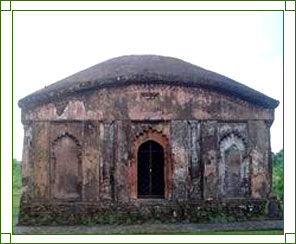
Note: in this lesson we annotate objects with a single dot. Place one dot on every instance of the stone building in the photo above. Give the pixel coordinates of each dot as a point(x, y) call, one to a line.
point(145, 136)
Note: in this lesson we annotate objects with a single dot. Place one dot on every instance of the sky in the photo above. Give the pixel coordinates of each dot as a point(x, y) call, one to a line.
point(245, 46)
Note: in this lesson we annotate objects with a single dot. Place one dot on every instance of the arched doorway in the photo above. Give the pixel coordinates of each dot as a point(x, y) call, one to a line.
point(150, 170)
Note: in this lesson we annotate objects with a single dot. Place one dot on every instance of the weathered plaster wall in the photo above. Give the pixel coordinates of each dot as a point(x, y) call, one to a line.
point(259, 149)
point(122, 151)
point(41, 159)
point(210, 152)
point(180, 154)
point(195, 167)
point(27, 163)
point(91, 160)
point(107, 148)
point(199, 128)
point(148, 103)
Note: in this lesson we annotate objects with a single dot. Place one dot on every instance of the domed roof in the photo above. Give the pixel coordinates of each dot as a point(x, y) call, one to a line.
point(146, 69)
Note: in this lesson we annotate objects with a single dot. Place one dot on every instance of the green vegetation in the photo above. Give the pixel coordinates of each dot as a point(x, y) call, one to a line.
point(17, 186)
point(278, 174)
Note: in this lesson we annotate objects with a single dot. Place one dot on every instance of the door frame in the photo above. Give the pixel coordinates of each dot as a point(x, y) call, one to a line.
point(162, 140)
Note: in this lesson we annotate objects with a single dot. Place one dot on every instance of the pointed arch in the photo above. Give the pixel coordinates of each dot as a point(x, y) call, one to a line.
point(161, 139)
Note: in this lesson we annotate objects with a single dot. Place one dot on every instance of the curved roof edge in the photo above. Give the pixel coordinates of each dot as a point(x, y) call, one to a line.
point(146, 69)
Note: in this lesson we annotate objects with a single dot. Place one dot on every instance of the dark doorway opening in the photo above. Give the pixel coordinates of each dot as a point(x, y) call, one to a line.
point(150, 170)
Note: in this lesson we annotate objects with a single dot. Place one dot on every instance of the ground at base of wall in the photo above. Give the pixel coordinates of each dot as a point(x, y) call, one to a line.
point(170, 212)
point(248, 227)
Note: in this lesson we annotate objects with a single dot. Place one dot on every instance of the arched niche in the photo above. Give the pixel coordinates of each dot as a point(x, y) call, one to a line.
point(234, 167)
point(66, 168)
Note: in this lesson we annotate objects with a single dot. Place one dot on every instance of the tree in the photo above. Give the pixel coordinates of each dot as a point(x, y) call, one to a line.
point(278, 174)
